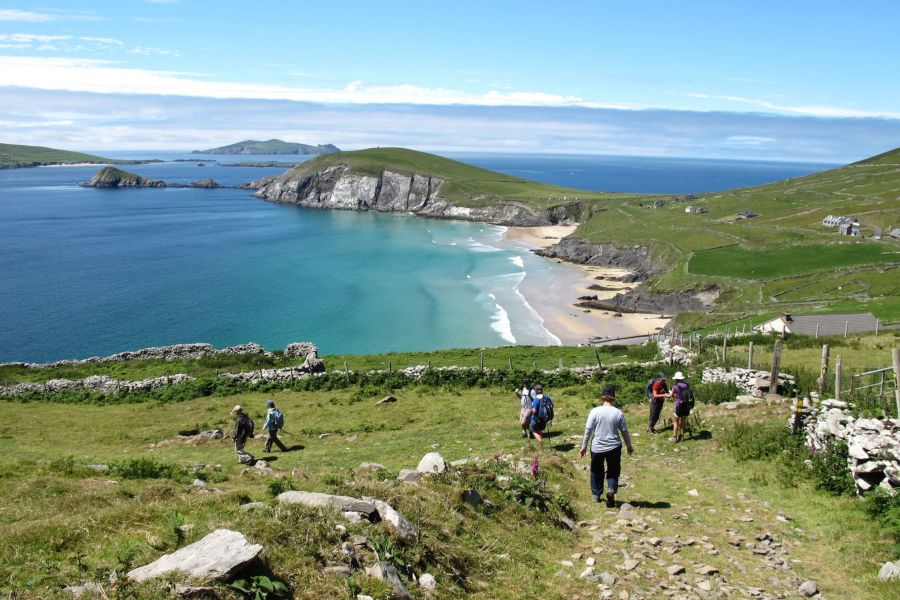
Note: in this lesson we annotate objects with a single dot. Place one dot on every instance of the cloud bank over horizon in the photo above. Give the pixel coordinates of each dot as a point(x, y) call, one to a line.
point(94, 121)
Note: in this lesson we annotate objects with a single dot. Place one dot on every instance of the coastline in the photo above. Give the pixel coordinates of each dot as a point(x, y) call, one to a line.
point(554, 296)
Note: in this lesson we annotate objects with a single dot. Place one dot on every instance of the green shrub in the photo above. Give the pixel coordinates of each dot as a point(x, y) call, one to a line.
point(279, 485)
point(884, 508)
point(148, 468)
point(715, 392)
point(830, 472)
point(759, 441)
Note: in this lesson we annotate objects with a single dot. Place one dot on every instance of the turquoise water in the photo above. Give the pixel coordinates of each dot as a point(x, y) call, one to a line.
point(91, 272)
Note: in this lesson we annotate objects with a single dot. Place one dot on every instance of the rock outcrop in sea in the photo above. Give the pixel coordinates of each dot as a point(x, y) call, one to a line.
point(111, 177)
point(338, 187)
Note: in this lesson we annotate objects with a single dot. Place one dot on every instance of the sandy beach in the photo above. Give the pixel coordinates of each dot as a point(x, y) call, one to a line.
point(554, 297)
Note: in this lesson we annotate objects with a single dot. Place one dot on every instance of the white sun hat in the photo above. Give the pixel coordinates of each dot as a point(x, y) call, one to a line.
point(678, 375)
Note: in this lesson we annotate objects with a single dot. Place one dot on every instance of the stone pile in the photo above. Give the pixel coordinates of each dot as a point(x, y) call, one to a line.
point(873, 444)
point(673, 354)
point(750, 381)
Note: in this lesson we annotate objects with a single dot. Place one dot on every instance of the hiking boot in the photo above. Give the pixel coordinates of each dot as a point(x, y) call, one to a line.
point(610, 500)
point(595, 498)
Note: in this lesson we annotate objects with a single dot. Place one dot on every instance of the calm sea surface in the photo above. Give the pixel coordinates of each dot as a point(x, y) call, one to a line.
point(92, 272)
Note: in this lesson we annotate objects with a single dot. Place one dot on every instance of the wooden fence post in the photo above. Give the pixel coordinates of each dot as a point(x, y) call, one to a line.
point(750, 356)
point(725, 350)
point(776, 367)
point(597, 354)
point(895, 355)
point(482, 360)
point(837, 377)
point(560, 364)
point(822, 381)
point(877, 323)
point(846, 326)
point(509, 360)
point(817, 331)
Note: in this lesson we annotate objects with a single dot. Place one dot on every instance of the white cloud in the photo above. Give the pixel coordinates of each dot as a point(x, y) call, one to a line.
point(25, 16)
point(102, 40)
point(150, 51)
point(27, 38)
point(807, 110)
point(32, 16)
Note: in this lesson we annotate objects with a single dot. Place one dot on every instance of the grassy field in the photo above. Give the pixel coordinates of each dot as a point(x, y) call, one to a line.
point(63, 523)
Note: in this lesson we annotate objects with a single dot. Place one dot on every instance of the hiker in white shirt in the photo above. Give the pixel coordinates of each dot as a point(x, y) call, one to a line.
point(605, 423)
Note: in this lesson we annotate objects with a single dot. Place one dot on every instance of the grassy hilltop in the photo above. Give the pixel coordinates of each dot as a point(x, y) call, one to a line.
point(699, 503)
point(13, 156)
point(464, 185)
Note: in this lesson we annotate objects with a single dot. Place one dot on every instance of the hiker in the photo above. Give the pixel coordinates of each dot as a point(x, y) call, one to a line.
point(243, 430)
point(541, 412)
point(684, 401)
point(274, 422)
point(657, 392)
point(526, 397)
point(605, 423)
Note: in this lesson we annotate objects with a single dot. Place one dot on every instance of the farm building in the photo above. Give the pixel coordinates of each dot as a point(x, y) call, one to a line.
point(851, 228)
point(824, 325)
point(834, 221)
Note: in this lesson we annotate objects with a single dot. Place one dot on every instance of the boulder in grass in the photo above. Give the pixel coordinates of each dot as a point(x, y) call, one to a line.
point(319, 500)
point(432, 462)
point(215, 557)
point(386, 512)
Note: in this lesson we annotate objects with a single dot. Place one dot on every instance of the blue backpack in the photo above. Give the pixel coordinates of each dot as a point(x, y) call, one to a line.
point(277, 419)
point(545, 409)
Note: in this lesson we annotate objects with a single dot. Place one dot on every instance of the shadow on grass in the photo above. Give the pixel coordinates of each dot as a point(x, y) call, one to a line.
point(702, 435)
point(564, 447)
point(646, 504)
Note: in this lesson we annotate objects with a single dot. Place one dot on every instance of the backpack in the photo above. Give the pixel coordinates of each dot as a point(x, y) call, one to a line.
point(685, 396)
point(545, 409)
point(250, 427)
point(277, 419)
point(650, 383)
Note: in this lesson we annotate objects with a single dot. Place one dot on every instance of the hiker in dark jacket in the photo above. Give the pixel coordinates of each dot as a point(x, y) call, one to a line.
point(274, 422)
point(681, 393)
point(659, 391)
point(243, 429)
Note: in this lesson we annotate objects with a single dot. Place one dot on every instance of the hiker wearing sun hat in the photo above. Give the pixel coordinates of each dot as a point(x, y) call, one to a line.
point(684, 401)
point(243, 430)
point(605, 424)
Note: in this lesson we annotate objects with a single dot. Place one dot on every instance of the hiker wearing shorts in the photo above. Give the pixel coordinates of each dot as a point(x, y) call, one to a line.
point(659, 391)
point(605, 424)
point(681, 392)
point(525, 395)
point(537, 424)
point(274, 419)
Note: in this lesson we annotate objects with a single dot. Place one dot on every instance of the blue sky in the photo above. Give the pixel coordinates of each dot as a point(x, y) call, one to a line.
point(797, 80)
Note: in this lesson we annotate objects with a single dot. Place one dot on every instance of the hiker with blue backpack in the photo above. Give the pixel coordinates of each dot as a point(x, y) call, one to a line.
point(605, 424)
point(274, 422)
point(684, 402)
point(541, 412)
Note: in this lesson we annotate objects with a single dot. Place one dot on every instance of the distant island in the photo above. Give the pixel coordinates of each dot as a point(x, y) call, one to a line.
point(14, 156)
point(271, 147)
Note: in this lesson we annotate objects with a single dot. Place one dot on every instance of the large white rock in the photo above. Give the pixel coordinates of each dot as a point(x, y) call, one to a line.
point(889, 571)
point(216, 556)
point(404, 529)
point(319, 500)
point(432, 462)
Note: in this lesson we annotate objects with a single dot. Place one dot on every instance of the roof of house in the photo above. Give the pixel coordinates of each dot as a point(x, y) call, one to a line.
point(830, 324)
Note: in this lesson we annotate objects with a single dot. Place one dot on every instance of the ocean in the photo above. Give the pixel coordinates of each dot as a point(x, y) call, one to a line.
point(92, 272)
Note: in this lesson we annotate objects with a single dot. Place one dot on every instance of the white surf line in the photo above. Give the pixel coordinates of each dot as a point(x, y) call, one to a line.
point(500, 322)
point(554, 340)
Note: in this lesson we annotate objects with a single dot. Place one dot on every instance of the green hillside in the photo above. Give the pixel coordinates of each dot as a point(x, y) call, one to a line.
point(270, 147)
point(465, 185)
point(14, 156)
point(783, 258)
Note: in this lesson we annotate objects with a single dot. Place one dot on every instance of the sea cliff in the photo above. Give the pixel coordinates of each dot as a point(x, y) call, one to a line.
point(338, 187)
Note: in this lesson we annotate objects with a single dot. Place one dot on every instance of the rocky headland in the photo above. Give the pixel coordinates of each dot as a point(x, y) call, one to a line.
point(338, 187)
